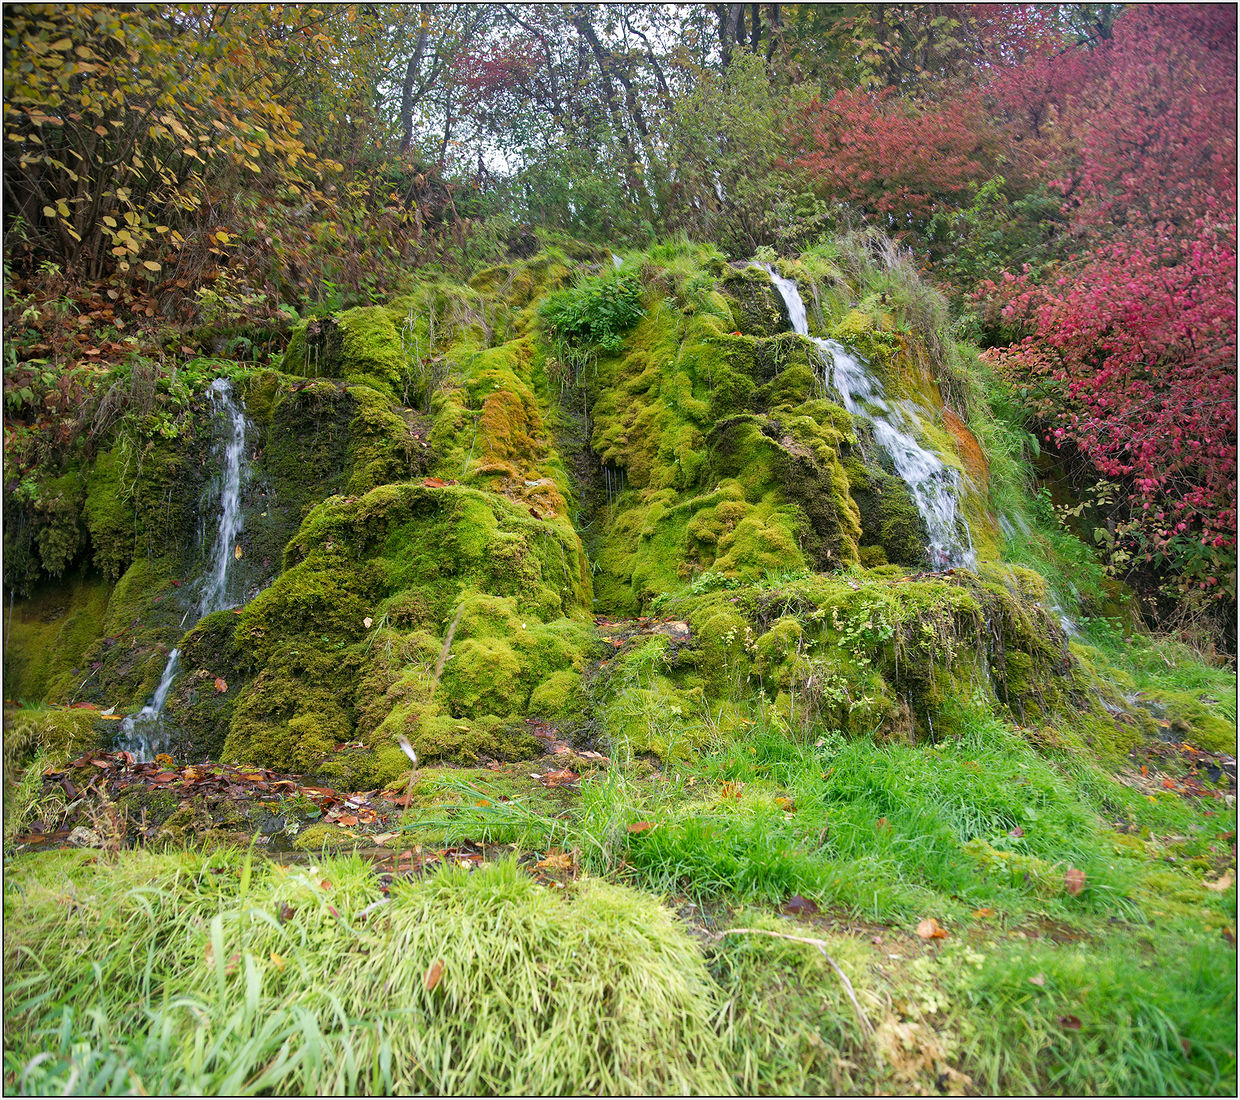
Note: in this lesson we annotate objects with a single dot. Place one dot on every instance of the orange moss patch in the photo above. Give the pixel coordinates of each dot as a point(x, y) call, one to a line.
point(968, 448)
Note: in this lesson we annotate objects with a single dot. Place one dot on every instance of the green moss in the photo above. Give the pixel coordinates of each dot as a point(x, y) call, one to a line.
point(201, 822)
point(140, 627)
point(559, 698)
point(862, 332)
point(358, 345)
point(757, 308)
point(293, 713)
point(324, 837)
point(62, 733)
point(109, 511)
point(1191, 720)
point(196, 707)
point(47, 637)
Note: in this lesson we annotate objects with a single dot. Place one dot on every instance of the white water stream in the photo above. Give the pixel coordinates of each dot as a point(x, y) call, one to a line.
point(143, 733)
point(935, 486)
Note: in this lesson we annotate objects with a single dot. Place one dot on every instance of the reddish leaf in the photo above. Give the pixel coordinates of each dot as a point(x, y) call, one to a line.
point(433, 974)
point(798, 904)
point(641, 826)
point(930, 929)
point(560, 778)
point(1072, 1023)
point(220, 685)
point(1074, 881)
point(347, 820)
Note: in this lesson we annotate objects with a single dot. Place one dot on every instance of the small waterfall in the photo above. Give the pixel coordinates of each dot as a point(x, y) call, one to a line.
point(142, 733)
point(617, 260)
point(935, 486)
point(215, 583)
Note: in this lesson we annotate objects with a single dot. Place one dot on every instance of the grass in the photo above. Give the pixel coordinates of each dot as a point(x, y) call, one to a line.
point(195, 973)
point(190, 973)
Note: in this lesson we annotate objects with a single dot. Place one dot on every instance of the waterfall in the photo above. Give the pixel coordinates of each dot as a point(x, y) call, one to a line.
point(143, 733)
point(936, 487)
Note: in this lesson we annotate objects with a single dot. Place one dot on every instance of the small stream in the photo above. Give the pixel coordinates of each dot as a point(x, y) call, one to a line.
point(143, 733)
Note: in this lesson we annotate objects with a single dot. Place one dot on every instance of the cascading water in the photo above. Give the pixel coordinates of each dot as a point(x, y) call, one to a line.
point(935, 486)
point(143, 733)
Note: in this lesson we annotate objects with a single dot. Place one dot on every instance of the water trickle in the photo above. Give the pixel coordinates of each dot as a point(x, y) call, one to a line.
point(617, 260)
point(935, 486)
point(143, 733)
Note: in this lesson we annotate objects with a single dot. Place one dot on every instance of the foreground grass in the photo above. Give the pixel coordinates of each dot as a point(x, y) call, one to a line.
point(193, 973)
point(218, 973)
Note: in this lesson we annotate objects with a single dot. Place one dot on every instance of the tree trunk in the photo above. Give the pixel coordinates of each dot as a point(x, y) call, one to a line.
point(407, 99)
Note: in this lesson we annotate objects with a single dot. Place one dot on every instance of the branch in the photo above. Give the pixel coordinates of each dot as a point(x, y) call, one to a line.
point(822, 946)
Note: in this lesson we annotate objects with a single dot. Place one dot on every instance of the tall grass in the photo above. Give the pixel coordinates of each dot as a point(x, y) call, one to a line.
point(227, 977)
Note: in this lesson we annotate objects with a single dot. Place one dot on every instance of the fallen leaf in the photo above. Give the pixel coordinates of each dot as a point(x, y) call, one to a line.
point(277, 961)
point(560, 778)
point(1072, 1023)
point(1038, 979)
point(1074, 881)
point(286, 913)
point(1018, 831)
point(1225, 882)
point(220, 685)
point(326, 884)
point(237, 552)
point(367, 621)
point(985, 912)
point(433, 974)
point(641, 826)
point(1229, 936)
point(731, 788)
point(798, 904)
point(434, 483)
point(881, 824)
point(557, 861)
point(381, 839)
point(346, 820)
point(930, 929)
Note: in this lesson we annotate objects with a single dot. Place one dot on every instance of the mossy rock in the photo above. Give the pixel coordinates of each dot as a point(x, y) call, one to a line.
point(322, 837)
point(358, 345)
point(61, 734)
point(47, 637)
point(757, 308)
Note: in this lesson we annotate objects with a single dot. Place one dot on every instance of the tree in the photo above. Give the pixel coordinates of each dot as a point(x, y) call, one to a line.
point(1128, 357)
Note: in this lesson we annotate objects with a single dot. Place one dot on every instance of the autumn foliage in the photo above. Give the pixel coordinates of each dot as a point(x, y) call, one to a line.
point(1128, 356)
point(893, 158)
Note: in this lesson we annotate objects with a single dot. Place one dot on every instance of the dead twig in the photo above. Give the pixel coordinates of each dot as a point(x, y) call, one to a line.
point(822, 946)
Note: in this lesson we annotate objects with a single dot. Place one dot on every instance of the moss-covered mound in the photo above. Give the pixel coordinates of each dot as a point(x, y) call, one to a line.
point(440, 491)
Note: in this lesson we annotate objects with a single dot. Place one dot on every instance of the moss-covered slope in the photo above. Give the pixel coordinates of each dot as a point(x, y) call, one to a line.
point(441, 492)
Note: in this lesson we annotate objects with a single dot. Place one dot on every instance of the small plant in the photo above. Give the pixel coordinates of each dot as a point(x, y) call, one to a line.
point(595, 312)
point(26, 801)
point(713, 582)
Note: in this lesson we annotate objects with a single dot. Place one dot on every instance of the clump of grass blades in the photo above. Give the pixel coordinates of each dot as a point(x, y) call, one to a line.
point(1159, 1021)
point(232, 978)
